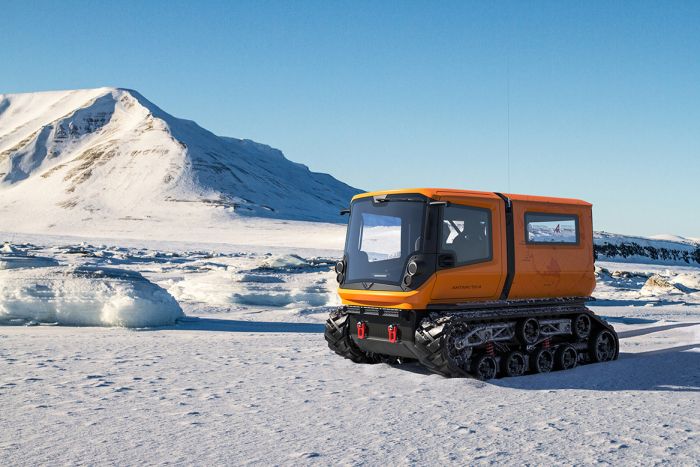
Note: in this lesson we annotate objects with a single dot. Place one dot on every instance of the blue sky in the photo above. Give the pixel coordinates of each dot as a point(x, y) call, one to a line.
point(603, 98)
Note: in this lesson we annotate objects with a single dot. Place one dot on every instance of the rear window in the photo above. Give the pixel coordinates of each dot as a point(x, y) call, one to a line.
point(561, 229)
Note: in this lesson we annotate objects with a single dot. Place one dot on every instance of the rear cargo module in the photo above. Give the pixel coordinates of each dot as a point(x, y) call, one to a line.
point(469, 283)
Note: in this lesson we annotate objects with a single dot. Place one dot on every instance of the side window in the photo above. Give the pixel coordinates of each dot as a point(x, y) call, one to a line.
point(544, 228)
point(466, 232)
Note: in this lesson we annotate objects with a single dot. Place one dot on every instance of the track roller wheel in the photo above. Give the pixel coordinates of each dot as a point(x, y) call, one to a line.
point(542, 361)
point(514, 364)
point(485, 367)
point(566, 357)
point(603, 346)
point(528, 331)
point(582, 326)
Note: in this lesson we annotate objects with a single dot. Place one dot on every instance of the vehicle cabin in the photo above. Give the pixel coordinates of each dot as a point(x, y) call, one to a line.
point(419, 247)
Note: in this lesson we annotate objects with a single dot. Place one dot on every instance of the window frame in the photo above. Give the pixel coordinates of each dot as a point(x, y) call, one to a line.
point(489, 219)
point(554, 216)
point(353, 245)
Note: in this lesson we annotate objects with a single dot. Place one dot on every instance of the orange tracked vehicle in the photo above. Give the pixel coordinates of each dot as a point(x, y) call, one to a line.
point(469, 283)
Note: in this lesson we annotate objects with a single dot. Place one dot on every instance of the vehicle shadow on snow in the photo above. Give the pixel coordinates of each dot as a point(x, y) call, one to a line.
point(670, 369)
point(653, 329)
point(626, 320)
point(231, 325)
point(675, 369)
point(636, 303)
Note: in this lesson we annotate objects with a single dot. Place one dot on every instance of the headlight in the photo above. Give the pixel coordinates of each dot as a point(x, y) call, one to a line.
point(413, 268)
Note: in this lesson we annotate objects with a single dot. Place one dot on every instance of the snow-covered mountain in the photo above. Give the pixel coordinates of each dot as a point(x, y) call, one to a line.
point(102, 155)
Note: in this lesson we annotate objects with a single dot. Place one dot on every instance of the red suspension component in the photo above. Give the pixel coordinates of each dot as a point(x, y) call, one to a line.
point(361, 330)
point(546, 343)
point(393, 331)
point(489, 348)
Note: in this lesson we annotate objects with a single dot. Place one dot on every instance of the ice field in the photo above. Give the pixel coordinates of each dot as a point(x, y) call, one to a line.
point(214, 354)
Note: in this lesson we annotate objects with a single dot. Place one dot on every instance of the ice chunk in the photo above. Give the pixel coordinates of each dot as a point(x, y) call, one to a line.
point(84, 296)
point(658, 284)
point(283, 262)
point(264, 299)
point(26, 262)
point(691, 281)
point(282, 298)
point(263, 279)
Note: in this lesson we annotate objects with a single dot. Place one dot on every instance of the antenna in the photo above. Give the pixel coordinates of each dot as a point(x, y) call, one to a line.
point(508, 120)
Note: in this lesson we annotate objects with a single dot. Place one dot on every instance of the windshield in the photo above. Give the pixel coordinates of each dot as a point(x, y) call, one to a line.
point(381, 237)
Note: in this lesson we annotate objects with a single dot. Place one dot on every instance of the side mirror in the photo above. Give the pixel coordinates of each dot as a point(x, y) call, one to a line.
point(344, 211)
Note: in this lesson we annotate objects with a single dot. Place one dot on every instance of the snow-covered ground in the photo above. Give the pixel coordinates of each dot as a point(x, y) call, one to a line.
point(246, 377)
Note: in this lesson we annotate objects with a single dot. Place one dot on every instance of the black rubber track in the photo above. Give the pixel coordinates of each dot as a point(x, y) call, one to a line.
point(337, 335)
point(432, 333)
point(432, 336)
point(430, 349)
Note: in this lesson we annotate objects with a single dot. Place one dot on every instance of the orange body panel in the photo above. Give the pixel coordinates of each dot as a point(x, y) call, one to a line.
point(541, 271)
point(552, 270)
point(417, 299)
point(481, 281)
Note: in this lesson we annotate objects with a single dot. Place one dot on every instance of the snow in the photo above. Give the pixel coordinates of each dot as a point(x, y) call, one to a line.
point(245, 377)
point(674, 238)
point(658, 241)
point(16, 262)
point(659, 285)
point(228, 394)
point(242, 232)
point(84, 296)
